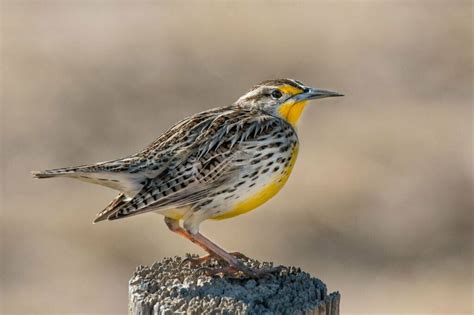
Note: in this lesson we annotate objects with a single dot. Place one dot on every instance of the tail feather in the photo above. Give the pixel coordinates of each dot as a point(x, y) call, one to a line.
point(121, 181)
point(112, 207)
point(113, 174)
point(74, 171)
point(68, 171)
point(113, 166)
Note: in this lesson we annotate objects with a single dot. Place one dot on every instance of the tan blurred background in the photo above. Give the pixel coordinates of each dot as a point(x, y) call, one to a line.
point(379, 205)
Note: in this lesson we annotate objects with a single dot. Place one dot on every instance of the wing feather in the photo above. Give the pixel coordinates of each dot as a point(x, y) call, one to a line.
point(149, 198)
point(204, 158)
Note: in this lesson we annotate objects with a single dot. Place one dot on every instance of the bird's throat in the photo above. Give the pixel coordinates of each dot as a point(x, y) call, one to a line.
point(291, 112)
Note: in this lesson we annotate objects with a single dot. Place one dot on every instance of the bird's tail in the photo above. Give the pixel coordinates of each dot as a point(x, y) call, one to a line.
point(64, 172)
point(100, 173)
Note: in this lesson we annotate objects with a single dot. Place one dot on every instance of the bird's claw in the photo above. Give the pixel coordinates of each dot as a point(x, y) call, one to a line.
point(240, 256)
point(194, 262)
point(241, 272)
point(212, 265)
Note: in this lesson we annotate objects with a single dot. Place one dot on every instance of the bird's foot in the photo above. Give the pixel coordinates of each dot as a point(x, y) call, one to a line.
point(194, 262)
point(241, 271)
point(240, 256)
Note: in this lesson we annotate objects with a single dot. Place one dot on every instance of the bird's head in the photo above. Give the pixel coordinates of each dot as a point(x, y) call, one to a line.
point(284, 98)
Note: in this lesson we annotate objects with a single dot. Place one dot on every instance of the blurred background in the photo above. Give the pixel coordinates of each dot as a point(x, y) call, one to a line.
point(379, 205)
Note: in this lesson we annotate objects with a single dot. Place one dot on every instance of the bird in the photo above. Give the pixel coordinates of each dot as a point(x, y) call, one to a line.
point(214, 165)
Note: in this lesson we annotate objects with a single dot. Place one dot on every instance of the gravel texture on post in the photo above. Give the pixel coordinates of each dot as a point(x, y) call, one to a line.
point(173, 287)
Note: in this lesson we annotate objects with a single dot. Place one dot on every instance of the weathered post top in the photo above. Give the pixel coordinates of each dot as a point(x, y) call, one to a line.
point(169, 287)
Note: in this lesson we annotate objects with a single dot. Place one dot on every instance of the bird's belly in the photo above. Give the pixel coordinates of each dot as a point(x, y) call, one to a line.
point(253, 198)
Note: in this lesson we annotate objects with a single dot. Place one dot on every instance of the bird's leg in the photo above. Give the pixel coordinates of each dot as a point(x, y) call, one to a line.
point(214, 250)
point(173, 225)
point(209, 247)
point(234, 265)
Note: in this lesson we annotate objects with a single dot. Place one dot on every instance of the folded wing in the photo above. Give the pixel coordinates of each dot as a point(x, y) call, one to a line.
point(209, 160)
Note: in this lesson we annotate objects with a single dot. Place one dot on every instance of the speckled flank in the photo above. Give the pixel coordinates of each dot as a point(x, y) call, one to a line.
point(271, 173)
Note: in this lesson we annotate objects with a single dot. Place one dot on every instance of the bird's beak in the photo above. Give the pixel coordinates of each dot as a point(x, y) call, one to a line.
point(312, 93)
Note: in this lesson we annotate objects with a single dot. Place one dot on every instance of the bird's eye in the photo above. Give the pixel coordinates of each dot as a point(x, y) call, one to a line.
point(276, 94)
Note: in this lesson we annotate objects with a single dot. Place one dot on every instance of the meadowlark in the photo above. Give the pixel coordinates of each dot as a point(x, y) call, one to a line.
point(216, 164)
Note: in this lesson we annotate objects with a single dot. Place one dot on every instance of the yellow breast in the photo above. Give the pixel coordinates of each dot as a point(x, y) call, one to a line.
point(263, 195)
